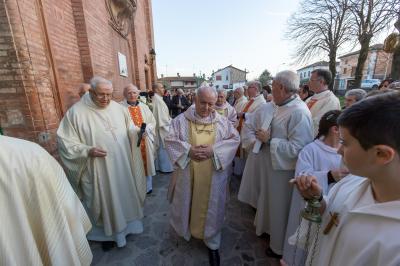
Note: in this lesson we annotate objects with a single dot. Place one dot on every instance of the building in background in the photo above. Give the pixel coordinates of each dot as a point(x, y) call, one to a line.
point(178, 82)
point(377, 66)
point(305, 72)
point(49, 47)
point(228, 77)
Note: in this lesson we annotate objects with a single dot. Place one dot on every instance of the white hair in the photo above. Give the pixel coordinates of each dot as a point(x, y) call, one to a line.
point(256, 83)
point(180, 91)
point(359, 94)
point(240, 90)
point(206, 88)
point(130, 85)
point(221, 90)
point(96, 80)
point(288, 79)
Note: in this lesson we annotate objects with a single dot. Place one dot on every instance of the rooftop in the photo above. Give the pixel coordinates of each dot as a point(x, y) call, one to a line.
point(378, 46)
point(230, 66)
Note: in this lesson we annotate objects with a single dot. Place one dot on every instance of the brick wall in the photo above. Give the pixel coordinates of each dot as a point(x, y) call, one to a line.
point(48, 47)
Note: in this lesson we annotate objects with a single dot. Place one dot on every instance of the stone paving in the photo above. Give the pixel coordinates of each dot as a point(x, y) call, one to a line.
point(160, 245)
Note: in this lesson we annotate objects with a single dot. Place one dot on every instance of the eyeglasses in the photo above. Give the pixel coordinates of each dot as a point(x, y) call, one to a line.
point(102, 95)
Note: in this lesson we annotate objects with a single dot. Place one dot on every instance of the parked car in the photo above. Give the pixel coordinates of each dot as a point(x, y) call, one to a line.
point(370, 83)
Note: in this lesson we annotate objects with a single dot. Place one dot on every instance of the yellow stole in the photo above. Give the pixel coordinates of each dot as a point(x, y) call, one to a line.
point(221, 112)
point(201, 176)
point(137, 119)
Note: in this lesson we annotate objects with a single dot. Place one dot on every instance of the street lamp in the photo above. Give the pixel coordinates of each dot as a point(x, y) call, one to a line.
point(152, 53)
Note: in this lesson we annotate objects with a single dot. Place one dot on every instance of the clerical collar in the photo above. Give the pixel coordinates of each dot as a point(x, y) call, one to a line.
point(133, 103)
point(322, 91)
point(288, 100)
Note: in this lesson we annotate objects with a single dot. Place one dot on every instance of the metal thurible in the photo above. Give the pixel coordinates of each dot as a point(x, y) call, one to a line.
point(312, 211)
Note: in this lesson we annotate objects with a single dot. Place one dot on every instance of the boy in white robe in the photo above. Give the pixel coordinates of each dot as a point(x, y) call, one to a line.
point(365, 231)
point(319, 158)
point(42, 220)
point(95, 138)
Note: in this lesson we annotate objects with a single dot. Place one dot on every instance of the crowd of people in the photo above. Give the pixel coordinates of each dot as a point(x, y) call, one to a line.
point(291, 145)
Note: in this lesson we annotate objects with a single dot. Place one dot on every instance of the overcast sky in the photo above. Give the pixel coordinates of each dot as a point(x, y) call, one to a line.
point(202, 36)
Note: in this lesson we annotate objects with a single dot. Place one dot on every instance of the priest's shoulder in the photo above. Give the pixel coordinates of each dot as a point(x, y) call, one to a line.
point(21, 148)
point(221, 119)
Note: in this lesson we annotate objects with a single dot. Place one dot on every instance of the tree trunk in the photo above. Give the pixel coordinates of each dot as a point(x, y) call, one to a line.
point(395, 74)
point(332, 67)
point(362, 57)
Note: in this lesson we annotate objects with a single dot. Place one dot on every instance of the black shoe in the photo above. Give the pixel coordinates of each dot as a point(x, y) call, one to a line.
point(149, 192)
point(213, 256)
point(107, 245)
point(272, 254)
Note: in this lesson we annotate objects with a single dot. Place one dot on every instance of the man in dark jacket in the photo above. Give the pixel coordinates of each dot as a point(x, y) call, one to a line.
point(179, 103)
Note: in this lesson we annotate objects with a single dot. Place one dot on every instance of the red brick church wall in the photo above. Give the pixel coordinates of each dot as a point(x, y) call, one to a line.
point(48, 47)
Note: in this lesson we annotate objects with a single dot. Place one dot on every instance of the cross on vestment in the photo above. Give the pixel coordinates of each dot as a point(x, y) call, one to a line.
point(333, 221)
point(108, 126)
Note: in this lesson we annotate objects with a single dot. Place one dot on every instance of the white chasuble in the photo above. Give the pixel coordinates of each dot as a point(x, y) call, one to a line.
point(240, 104)
point(321, 103)
point(113, 187)
point(228, 111)
point(42, 220)
point(163, 120)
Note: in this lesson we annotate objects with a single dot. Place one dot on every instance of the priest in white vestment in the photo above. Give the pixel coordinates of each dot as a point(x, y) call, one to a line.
point(240, 99)
point(42, 220)
point(202, 145)
point(163, 120)
point(323, 99)
point(95, 143)
point(256, 99)
point(291, 130)
point(255, 169)
point(140, 113)
point(224, 108)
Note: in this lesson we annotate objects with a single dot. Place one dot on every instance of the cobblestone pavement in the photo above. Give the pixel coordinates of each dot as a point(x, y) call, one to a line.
point(160, 245)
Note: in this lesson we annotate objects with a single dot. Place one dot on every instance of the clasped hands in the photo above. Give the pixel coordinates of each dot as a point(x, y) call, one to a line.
point(201, 152)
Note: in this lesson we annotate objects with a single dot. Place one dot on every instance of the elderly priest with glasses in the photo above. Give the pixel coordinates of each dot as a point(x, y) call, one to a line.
point(107, 172)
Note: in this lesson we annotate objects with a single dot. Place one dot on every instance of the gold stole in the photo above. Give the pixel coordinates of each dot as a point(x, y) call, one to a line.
point(137, 119)
point(222, 112)
point(201, 176)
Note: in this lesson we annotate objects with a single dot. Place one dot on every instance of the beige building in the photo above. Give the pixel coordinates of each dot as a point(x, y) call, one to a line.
point(178, 82)
point(377, 66)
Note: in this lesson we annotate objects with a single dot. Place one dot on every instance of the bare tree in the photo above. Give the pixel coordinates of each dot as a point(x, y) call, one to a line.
point(369, 18)
point(320, 27)
point(395, 74)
